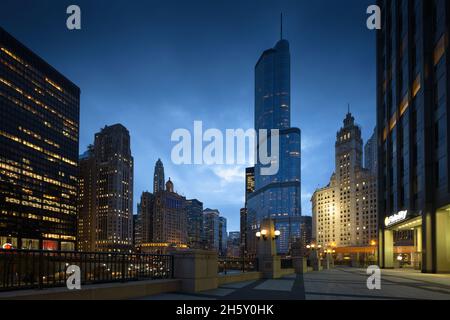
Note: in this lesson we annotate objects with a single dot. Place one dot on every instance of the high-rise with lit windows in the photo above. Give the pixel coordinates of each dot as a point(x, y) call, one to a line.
point(39, 130)
point(413, 121)
point(345, 211)
point(276, 196)
point(108, 209)
point(194, 212)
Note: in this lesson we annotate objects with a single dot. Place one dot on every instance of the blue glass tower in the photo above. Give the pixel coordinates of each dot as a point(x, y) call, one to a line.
point(276, 196)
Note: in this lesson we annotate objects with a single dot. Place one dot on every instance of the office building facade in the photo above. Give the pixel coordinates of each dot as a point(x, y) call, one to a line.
point(39, 138)
point(109, 209)
point(370, 154)
point(345, 211)
point(211, 228)
point(223, 236)
point(194, 211)
point(163, 217)
point(413, 133)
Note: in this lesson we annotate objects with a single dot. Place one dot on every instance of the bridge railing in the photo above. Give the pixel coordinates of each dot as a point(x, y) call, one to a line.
point(37, 269)
point(228, 265)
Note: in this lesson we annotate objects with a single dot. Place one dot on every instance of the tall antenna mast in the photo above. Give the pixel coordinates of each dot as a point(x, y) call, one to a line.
point(281, 26)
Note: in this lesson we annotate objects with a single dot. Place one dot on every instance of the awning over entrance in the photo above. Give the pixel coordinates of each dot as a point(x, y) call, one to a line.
point(407, 224)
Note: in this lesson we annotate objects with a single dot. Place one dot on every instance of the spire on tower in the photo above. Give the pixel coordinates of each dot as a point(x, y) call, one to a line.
point(281, 26)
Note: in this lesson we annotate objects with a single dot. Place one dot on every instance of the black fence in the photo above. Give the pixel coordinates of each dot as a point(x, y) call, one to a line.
point(230, 265)
point(30, 269)
point(286, 263)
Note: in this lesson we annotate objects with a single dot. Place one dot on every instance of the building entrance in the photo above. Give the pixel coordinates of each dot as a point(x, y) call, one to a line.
point(403, 243)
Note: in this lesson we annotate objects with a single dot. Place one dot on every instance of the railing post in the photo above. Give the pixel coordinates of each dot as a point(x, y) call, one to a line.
point(123, 268)
point(41, 270)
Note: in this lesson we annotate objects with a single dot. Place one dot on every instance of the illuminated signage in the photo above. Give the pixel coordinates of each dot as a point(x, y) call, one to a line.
point(7, 246)
point(396, 218)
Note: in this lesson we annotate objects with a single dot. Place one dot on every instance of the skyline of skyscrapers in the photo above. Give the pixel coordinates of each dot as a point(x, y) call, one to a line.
point(163, 216)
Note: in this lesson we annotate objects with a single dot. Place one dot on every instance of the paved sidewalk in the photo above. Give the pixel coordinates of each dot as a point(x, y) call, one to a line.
point(334, 284)
point(351, 284)
point(287, 288)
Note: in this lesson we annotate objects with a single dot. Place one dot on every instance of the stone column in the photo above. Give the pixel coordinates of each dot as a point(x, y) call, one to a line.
point(299, 262)
point(268, 261)
point(315, 261)
point(197, 269)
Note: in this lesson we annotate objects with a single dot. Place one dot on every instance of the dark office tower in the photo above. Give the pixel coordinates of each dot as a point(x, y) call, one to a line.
point(370, 154)
point(145, 218)
point(87, 201)
point(249, 181)
point(306, 230)
point(39, 128)
point(223, 236)
point(413, 116)
point(110, 208)
point(211, 228)
point(194, 210)
point(137, 229)
point(243, 215)
point(158, 177)
point(277, 196)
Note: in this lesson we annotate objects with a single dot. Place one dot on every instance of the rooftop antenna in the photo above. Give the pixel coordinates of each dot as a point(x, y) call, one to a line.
point(281, 26)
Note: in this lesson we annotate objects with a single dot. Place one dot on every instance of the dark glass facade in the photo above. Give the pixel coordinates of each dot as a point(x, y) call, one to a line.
point(276, 196)
point(413, 129)
point(194, 210)
point(39, 133)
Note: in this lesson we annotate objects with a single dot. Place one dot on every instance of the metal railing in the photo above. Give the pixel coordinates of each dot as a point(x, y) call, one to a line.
point(229, 265)
point(36, 269)
point(286, 263)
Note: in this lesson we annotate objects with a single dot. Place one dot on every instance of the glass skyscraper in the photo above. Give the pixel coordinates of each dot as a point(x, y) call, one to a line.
point(276, 196)
point(39, 129)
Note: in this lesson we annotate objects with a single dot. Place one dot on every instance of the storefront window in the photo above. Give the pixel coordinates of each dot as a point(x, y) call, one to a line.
point(8, 241)
point(30, 244)
point(50, 245)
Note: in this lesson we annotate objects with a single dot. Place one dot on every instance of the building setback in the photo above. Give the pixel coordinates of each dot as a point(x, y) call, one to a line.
point(108, 209)
point(413, 116)
point(39, 132)
point(345, 211)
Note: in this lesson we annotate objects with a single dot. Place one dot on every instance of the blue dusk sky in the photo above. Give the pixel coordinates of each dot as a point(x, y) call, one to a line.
point(156, 66)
